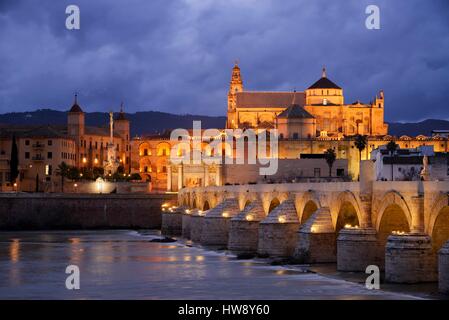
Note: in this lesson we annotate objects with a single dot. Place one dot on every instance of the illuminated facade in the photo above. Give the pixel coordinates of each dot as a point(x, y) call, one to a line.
point(41, 149)
point(323, 101)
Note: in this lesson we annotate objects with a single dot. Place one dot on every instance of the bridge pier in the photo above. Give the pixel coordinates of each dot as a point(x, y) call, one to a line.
point(244, 230)
point(410, 259)
point(196, 225)
point(317, 239)
point(278, 231)
point(186, 216)
point(358, 248)
point(443, 269)
point(172, 221)
point(216, 223)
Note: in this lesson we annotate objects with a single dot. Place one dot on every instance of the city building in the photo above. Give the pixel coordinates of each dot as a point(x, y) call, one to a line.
point(41, 149)
point(411, 164)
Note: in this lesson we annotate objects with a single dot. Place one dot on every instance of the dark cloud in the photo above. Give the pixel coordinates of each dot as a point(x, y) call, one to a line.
point(176, 56)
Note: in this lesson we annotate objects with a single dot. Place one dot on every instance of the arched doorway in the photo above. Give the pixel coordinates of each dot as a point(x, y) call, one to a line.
point(309, 209)
point(347, 215)
point(274, 203)
point(206, 206)
point(194, 203)
point(393, 219)
point(440, 231)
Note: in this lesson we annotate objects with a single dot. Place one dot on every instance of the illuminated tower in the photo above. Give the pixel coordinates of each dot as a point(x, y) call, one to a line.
point(236, 85)
point(121, 128)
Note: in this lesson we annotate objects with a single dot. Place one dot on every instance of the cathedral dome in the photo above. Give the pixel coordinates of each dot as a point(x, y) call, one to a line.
point(295, 112)
point(324, 83)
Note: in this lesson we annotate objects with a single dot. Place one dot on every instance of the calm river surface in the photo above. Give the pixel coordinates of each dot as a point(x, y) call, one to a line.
point(125, 265)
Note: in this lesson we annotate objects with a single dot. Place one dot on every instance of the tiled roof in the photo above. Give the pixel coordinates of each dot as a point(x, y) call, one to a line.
point(251, 99)
point(76, 108)
point(45, 131)
point(324, 83)
point(295, 112)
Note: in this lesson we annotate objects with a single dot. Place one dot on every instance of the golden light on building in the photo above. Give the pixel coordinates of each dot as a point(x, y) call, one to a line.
point(84, 160)
point(350, 226)
point(96, 161)
point(282, 219)
point(249, 217)
point(225, 214)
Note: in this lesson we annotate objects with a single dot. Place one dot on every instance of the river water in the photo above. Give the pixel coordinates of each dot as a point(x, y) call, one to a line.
point(123, 264)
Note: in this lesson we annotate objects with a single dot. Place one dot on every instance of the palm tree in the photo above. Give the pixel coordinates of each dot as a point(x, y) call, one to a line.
point(63, 171)
point(14, 162)
point(330, 157)
point(360, 143)
point(392, 147)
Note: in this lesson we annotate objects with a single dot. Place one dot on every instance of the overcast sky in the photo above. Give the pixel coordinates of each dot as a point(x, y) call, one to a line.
point(176, 56)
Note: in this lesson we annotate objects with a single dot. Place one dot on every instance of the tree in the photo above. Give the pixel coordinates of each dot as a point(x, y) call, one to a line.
point(135, 176)
point(14, 162)
point(74, 173)
point(360, 143)
point(392, 147)
point(97, 172)
point(330, 157)
point(63, 171)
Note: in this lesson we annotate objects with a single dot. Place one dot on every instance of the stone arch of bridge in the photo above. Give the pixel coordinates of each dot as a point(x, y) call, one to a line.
point(392, 199)
point(393, 215)
point(347, 211)
point(307, 205)
point(206, 205)
point(273, 204)
point(438, 227)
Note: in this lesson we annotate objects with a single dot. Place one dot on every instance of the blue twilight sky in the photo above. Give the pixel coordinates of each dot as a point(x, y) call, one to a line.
point(176, 55)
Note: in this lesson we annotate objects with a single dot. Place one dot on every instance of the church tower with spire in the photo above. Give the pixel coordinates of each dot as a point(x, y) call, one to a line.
point(235, 86)
point(75, 120)
point(121, 128)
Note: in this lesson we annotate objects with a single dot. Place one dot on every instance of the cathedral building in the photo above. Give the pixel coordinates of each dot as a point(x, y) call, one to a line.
point(321, 108)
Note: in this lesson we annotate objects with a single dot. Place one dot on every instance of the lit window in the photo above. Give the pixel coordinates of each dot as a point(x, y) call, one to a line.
point(324, 101)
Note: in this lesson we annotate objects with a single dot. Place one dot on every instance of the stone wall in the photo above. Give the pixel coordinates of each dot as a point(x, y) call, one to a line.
point(443, 269)
point(288, 170)
point(80, 211)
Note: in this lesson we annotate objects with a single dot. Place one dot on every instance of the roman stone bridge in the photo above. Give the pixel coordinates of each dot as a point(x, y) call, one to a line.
point(400, 226)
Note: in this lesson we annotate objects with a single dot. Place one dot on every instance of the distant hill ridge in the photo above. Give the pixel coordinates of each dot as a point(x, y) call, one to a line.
point(150, 122)
point(146, 122)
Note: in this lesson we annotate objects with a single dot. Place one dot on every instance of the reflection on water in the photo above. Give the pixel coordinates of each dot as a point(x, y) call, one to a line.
point(15, 250)
point(126, 265)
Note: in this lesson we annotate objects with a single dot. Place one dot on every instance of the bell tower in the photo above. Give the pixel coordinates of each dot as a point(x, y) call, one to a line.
point(75, 120)
point(235, 86)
